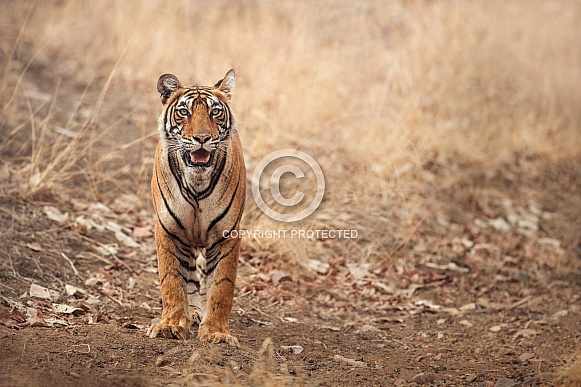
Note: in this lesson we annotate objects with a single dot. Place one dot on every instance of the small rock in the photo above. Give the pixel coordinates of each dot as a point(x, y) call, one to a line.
point(471, 378)
point(466, 323)
point(559, 314)
point(159, 361)
point(504, 382)
point(525, 333)
point(470, 306)
point(296, 349)
point(531, 381)
point(526, 356)
point(424, 378)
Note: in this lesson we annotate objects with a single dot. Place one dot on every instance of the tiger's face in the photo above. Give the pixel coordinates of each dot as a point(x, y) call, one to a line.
point(196, 124)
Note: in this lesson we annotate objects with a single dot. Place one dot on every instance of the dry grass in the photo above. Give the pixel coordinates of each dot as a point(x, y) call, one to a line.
point(372, 90)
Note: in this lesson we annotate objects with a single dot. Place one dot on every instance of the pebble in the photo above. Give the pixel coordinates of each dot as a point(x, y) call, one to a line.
point(424, 378)
point(504, 382)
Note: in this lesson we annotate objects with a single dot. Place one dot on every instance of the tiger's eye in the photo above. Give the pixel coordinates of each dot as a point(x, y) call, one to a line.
point(216, 111)
point(183, 112)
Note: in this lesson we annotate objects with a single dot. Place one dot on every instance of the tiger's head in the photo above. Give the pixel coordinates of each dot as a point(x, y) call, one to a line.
point(196, 123)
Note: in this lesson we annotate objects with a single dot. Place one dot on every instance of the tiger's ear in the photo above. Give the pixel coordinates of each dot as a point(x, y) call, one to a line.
point(167, 85)
point(226, 84)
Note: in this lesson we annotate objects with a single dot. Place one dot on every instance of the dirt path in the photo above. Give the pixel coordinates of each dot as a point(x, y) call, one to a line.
point(484, 303)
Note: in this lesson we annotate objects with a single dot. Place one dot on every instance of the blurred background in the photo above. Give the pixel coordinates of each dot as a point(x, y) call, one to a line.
point(410, 107)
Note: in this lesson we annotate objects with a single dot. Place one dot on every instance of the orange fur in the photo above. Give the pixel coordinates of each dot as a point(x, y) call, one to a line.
point(198, 201)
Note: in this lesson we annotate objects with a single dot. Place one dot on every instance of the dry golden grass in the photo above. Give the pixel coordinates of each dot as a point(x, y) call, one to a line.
point(373, 90)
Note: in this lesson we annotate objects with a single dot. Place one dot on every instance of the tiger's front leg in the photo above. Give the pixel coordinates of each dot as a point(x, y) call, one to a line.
point(215, 325)
point(175, 321)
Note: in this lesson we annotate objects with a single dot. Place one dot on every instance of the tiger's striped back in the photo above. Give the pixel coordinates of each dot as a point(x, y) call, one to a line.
point(198, 190)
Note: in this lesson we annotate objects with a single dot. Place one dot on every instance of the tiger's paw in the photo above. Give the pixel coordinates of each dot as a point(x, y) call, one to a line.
point(218, 337)
point(170, 330)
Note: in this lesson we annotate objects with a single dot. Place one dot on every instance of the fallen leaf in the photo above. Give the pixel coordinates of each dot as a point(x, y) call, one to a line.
point(525, 333)
point(44, 293)
point(72, 290)
point(126, 203)
point(55, 214)
point(126, 239)
point(318, 266)
point(499, 224)
point(359, 271)
point(170, 369)
point(37, 321)
point(67, 309)
point(279, 276)
point(107, 249)
point(92, 281)
point(34, 246)
point(142, 232)
point(56, 321)
point(427, 303)
point(449, 266)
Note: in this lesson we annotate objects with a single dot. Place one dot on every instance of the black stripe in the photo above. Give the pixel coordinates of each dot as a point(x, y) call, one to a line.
point(170, 234)
point(216, 174)
point(225, 279)
point(173, 215)
point(213, 262)
point(183, 262)
point(186, 193)
point(164, 277)
point(222, 239)
point(226, 210)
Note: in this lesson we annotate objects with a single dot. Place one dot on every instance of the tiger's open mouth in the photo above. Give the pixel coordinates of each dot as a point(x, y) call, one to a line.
point(198, 158)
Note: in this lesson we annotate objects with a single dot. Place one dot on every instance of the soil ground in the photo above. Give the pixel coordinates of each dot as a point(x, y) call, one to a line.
point(485, 292)
point(496, 315)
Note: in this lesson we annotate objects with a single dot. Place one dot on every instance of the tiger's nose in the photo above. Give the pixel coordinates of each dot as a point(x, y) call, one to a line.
point(202, 138)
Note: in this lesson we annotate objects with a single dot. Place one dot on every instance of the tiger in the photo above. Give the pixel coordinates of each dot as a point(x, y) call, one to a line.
point(198, 190)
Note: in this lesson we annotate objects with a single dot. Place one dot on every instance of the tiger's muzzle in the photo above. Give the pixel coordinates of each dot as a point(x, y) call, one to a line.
point(198, 158)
